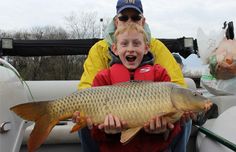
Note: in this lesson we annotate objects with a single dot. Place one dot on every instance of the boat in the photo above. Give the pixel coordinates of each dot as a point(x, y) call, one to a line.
point(216, 135)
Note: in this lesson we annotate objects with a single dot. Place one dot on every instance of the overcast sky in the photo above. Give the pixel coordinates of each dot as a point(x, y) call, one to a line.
point(166, 18)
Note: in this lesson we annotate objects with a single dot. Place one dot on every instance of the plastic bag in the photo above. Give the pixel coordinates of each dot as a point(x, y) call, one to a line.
point(207, 44)
point(216, 51)
point(218, 87)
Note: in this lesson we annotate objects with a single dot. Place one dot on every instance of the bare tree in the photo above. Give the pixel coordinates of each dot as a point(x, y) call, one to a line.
point(4, 34)
point(86, 25)
point(35, 68)
point(73, 25)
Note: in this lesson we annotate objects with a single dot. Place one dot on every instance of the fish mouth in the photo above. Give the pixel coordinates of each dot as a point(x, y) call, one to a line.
point(208, 104)
point(131, 58)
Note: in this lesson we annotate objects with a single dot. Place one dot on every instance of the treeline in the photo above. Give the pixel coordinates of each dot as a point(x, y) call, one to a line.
point(86, 25)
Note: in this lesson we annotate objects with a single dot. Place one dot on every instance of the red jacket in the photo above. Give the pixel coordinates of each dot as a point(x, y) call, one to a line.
point(118, 73)
point(142, 142)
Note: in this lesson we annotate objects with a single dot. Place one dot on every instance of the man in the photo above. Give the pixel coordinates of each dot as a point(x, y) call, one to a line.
point(100, 56)
point(178, 60)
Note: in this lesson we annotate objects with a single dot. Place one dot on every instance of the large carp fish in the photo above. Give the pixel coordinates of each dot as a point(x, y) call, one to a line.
point(134, 102)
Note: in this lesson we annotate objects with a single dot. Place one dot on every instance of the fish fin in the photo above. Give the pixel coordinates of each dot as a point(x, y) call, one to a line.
point(31, 111)
point(128, 134)
point(37, 112)
point(81, 124)
point(42, 128)
point(173, 116)
point(77, 127)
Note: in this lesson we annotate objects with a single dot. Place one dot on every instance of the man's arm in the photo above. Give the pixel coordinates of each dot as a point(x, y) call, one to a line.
point(163, 57)
point(96, 61)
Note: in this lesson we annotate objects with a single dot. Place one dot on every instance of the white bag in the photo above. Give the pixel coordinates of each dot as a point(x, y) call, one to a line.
point(218, 87)
point(208, 43)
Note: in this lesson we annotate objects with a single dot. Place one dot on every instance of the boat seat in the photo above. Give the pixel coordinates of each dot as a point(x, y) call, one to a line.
point(219, 127)
point(60, 134)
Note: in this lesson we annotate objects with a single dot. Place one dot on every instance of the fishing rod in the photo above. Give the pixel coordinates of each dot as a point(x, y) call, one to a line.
point(217, 138)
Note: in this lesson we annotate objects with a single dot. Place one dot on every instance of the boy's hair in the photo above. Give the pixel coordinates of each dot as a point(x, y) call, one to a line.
point(131, 27)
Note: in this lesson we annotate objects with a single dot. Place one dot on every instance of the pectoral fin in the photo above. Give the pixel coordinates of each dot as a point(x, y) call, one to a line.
point(128, 134)
point(77, 127)
point(80, 124)
point(173, 116)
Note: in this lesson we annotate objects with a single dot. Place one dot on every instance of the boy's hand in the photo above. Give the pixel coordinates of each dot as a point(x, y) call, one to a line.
point(112, 124)
point(158, 125)
point(191, 115)
point(187, 116)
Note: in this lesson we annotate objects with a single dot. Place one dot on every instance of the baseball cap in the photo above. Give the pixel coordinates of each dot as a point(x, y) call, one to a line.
point(124, 4)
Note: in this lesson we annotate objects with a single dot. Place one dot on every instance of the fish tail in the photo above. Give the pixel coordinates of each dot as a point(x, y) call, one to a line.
point(42, 128)
point(31, 111)
point(44, 122)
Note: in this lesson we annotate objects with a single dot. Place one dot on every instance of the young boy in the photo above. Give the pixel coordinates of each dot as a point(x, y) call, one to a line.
point(131, 60)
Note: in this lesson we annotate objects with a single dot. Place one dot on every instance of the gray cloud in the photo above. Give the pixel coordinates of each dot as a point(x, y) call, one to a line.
point(167, 19)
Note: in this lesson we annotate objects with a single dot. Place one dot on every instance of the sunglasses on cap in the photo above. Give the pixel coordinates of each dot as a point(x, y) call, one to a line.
point(134, 18)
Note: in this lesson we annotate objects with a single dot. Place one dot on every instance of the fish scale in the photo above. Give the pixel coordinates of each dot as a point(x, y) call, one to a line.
point(130, 105)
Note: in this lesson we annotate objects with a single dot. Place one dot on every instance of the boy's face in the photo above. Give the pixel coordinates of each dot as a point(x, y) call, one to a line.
point(130, 48)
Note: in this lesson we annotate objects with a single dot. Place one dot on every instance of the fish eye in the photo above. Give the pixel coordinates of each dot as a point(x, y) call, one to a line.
point(195, 93)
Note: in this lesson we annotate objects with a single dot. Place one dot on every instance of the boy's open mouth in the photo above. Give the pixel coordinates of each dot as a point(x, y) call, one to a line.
point(130, 58)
